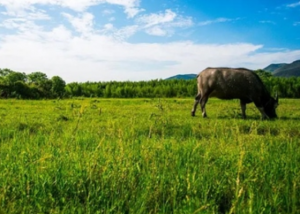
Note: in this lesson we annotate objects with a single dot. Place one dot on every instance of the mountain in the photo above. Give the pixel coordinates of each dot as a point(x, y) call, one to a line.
point(182, 77)
point(289, 70)
point(280, 70)
point(273, 67)
point(284, 69)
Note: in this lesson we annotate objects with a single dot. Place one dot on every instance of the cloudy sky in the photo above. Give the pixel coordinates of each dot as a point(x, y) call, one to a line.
point(104, 40)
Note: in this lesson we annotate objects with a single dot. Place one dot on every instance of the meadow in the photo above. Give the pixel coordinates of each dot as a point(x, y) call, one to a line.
point(147, 156)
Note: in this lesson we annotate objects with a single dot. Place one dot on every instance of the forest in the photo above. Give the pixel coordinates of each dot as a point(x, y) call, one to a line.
point(37, 85)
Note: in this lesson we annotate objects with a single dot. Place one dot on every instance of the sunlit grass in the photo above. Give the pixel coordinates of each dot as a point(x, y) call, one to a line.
point(147, 156)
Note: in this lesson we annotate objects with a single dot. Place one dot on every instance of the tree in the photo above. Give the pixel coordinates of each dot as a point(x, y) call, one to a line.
point(263, 74)
point(58, 86)
point(4, 72)
point(37, 78)
point(107, 92)
point(21, 90)
point(13, 77)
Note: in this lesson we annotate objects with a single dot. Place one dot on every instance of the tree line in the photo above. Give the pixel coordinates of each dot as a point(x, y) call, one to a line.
point(37, 85)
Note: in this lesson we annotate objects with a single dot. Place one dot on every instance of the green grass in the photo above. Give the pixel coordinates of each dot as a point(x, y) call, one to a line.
point(147, 156)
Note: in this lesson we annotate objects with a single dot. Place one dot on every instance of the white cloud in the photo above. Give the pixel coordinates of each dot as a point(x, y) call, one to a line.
point(102, 58)
point(125, 32)
point(132, 11)
point(108, 26)
point(181, 22)
point(161, 24)
point(23, 20)
point(296, 4)
point(102, 52)
point(155, 19)
point(32, 13)
point(218, 20)
point(59, 34)
point(108, 12)
point(26, 12)
point(156, 31)
point(82, 24)
point(131, 7)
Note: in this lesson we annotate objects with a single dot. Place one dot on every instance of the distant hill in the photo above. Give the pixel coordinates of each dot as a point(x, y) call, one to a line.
point(273, 67)
point(289, 70)
point(182, 77)
point(280, 70)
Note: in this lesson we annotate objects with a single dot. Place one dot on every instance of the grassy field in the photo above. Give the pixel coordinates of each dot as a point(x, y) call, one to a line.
point(147, 156)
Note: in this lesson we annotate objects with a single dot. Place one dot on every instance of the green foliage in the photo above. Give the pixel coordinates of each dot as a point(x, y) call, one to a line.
point(263, 74)
point(127, 89)
point(37, 78)
point(5, 72)
point(42, 87)
point(35, 85)
point(147, 156)
point(285, 87)
point(21, 90)
point(13, 77)
point(58, 86)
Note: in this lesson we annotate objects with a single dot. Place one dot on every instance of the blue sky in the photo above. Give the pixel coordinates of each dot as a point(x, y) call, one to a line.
point(104, 40)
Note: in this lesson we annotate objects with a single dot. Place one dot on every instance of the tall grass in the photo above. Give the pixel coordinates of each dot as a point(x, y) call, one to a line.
point(147, 156)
